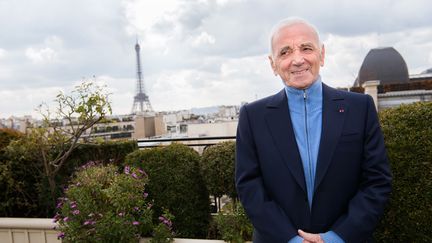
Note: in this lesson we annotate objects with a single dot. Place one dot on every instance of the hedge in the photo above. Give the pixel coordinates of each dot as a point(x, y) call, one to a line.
point(24, 186)
point(408, 137)
point(176, 184)
point(7, 135)
point(217, 163)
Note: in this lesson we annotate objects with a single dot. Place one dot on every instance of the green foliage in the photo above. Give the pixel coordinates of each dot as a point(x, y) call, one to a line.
point(408, 137)
point(176, 184)
point(103, 205)
point(7, 135)
point(22, 181)
point(12, 197)
point(217, 164)
point(163, 231)
point(234, 225)
point(111, 152)
point(62, 128)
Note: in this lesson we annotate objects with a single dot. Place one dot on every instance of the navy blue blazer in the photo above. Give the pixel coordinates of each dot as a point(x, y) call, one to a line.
point(352, 182)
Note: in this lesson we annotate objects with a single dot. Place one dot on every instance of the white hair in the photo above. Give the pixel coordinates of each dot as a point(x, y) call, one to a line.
point(290, 22)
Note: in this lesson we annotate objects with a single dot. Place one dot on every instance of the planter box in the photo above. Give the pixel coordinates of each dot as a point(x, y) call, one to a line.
point(30, 230)
point(182, 240)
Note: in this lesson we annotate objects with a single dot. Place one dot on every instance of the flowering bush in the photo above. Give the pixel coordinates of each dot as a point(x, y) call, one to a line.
point(233, 224)
point(103, 205)
point(163, 231)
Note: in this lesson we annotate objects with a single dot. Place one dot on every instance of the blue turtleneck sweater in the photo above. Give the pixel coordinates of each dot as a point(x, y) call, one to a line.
point(305, 107)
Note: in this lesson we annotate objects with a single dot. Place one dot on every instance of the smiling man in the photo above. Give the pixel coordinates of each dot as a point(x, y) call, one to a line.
point(311, 165)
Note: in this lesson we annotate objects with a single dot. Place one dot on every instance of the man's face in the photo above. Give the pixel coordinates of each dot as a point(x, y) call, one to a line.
point(296, 55)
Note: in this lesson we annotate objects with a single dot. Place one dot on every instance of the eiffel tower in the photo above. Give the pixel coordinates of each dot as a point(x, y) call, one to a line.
point(141, 104)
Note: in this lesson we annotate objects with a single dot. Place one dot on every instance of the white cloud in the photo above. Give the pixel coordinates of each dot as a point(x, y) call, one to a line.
point(49, 53)
point(203, 39)
point(3, 53)
point(41, 56)
point(194, 53)
point(154, 11)
point(225, 2)
point(25, 101)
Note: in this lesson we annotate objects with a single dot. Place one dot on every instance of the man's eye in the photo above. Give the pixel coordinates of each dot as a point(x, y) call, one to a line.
point(285, 52)
point(308, 49)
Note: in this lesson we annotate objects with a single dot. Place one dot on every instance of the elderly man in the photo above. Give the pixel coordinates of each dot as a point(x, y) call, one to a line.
point(311, 165)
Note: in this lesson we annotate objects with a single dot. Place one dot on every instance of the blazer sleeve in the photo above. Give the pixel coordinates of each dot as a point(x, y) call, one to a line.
point(268, 219)
point(367, 205)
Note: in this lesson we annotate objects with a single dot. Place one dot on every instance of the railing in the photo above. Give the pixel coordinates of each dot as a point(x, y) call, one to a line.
point(189, 141)
point(35, 230)
point(27, 230)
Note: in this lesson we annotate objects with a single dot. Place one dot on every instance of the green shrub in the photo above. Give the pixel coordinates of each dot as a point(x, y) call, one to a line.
point(22, 181)
point(110, 152)
point(7, 135)
point(103, 205)
point(163, 231)
point(176, 184)
point(408, 137)
point(217, 163)
point(233, 224)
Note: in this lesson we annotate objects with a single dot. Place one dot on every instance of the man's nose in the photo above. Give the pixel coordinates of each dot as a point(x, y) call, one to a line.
point(298, 58)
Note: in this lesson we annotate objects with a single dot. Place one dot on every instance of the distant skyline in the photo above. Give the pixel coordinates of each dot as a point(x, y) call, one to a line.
point(195, 53)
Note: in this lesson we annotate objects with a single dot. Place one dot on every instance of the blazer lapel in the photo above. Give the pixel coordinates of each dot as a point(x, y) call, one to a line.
point(333, 117)
point(280, 126)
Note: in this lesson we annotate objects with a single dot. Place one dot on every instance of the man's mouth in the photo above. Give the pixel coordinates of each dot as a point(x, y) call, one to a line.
point(300, 72)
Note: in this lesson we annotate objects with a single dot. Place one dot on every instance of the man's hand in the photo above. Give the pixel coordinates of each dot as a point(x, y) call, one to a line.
point(309, 237)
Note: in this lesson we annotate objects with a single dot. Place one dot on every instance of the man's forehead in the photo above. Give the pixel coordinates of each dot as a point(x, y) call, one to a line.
point(298, 32)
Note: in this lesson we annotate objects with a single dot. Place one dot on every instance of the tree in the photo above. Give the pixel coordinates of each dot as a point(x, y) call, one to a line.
point(217, 164)
point(62, 129)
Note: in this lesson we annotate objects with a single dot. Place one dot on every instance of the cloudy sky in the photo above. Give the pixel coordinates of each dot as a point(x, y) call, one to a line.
point(195, 53)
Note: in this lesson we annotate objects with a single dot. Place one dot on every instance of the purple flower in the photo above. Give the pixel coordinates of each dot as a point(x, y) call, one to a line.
point(127, 170)
point(142, 172)
point(66, 219)
point(60, 235)
point(89, 222)
point(135, 223)
point(88, 164)
point(165, 221)
point(59, 204)
point(145, 195)
point(136, 208)
point(73, 204)
point(76, 212)
point(56, 218)
point(135, 176)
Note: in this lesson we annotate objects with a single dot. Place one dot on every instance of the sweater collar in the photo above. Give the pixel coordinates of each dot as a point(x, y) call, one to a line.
point(313, 92)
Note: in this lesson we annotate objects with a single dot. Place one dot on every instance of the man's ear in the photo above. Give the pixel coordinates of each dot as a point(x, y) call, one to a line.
point(322, 55)
point(273, 66)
